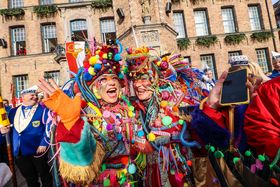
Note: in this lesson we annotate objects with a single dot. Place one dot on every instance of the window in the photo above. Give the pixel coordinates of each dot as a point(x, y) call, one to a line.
point(201, 23)
point(20, 82)
point(209, 60)
point(179, 24)
point(46, 2)
point(53, 75)
point(255, 18)
point(262, 57)
point(18, 41)
point(108, 30)
point(234, 53)
point(49, 38)
point(16, 3)
point(228, 20)
point(187, 59)
point(75, 1)
point(79, 30)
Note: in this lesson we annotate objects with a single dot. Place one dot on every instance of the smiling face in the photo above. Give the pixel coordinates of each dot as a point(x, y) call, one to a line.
point(276, 64)
point(29, 99)
point(142, 86)
point(107, 87)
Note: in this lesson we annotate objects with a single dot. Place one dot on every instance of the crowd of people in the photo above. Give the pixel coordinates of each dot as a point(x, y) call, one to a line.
point(147, 120)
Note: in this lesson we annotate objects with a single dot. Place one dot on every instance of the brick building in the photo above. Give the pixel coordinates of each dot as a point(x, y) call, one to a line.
point(204, 31)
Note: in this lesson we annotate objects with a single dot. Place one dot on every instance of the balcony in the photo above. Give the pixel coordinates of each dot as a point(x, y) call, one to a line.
point(60, 53)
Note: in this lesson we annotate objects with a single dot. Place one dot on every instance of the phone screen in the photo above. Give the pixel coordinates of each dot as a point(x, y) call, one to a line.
point(234, 89)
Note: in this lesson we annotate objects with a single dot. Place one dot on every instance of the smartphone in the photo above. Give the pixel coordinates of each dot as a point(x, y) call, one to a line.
point(235, 91)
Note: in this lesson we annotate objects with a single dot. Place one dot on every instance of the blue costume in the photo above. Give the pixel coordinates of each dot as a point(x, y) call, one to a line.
point(28, 133)
point(33, 135)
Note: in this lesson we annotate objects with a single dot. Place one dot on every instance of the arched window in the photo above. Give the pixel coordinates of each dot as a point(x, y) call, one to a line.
point(79, 30)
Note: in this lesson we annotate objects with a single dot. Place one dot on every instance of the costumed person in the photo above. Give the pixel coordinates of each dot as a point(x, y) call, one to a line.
point(191, 79)
point(95, 141)
point(276, 65)
point(211, 118)
point(262, 119)
point(211, 108)
point(30, 140)
point(160, 102)
point(208, 80)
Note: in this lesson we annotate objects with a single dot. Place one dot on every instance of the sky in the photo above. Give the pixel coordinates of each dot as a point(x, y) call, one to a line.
point(274, 1)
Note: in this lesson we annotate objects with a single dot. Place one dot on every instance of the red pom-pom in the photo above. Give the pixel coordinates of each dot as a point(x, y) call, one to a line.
point(142, 58)
point(86, 65)
point(101, 53)
point(180, 175)
point(274, 181)
point(189, 162)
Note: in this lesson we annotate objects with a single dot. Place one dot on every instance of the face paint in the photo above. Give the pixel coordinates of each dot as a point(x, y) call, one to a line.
point(108, 87)
point(143, 87)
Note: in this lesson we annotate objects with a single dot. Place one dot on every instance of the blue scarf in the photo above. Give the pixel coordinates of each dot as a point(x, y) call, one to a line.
point(274, 74)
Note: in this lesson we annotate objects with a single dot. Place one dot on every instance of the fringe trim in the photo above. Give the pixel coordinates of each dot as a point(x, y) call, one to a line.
point(83, 174)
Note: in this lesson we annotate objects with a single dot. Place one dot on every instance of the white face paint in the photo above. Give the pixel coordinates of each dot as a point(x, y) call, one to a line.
point(108, 87)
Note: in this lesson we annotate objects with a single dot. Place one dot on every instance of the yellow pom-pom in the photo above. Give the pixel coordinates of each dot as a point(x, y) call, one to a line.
point(124, 171)
point(130, 114)
point(91, 71)
point(105, 56)
point(151, 137)
point(158, 63)
point(97, 52)
point(163, 103)
point(93, 60)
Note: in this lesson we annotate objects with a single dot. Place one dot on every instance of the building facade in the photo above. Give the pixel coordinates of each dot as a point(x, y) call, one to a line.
point(33, 33)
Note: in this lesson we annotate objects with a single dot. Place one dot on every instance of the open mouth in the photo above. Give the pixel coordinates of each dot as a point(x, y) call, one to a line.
point(112, 92)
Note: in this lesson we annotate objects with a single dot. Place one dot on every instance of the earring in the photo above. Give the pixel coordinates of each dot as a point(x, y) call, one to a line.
point(120, 94)
point(96, 94)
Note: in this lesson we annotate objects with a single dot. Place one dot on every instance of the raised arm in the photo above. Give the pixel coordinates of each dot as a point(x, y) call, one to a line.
point(67, 109)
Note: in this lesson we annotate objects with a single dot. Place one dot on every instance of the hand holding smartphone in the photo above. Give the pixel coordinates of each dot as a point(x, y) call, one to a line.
point(235, 91)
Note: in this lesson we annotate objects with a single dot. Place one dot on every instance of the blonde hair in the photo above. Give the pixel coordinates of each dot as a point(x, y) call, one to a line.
point(253, 68)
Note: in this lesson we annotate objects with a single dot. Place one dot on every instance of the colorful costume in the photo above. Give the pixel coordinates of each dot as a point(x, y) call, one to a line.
point(162, 117)
point(262, 120)
point(97, 146)
point(212, 126)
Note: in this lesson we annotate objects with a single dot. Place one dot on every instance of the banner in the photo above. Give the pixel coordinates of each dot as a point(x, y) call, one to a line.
point(75, 55)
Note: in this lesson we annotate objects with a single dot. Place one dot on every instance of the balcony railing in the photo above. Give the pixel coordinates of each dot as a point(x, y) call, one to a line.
point(60, 53)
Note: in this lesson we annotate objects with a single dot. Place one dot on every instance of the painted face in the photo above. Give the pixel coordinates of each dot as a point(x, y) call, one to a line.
point(108, 88)
point(29, 99)
point(142, 86)
point(276, 64)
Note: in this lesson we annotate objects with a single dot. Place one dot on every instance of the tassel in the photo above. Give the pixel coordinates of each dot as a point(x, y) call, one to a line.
point(79, 174)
